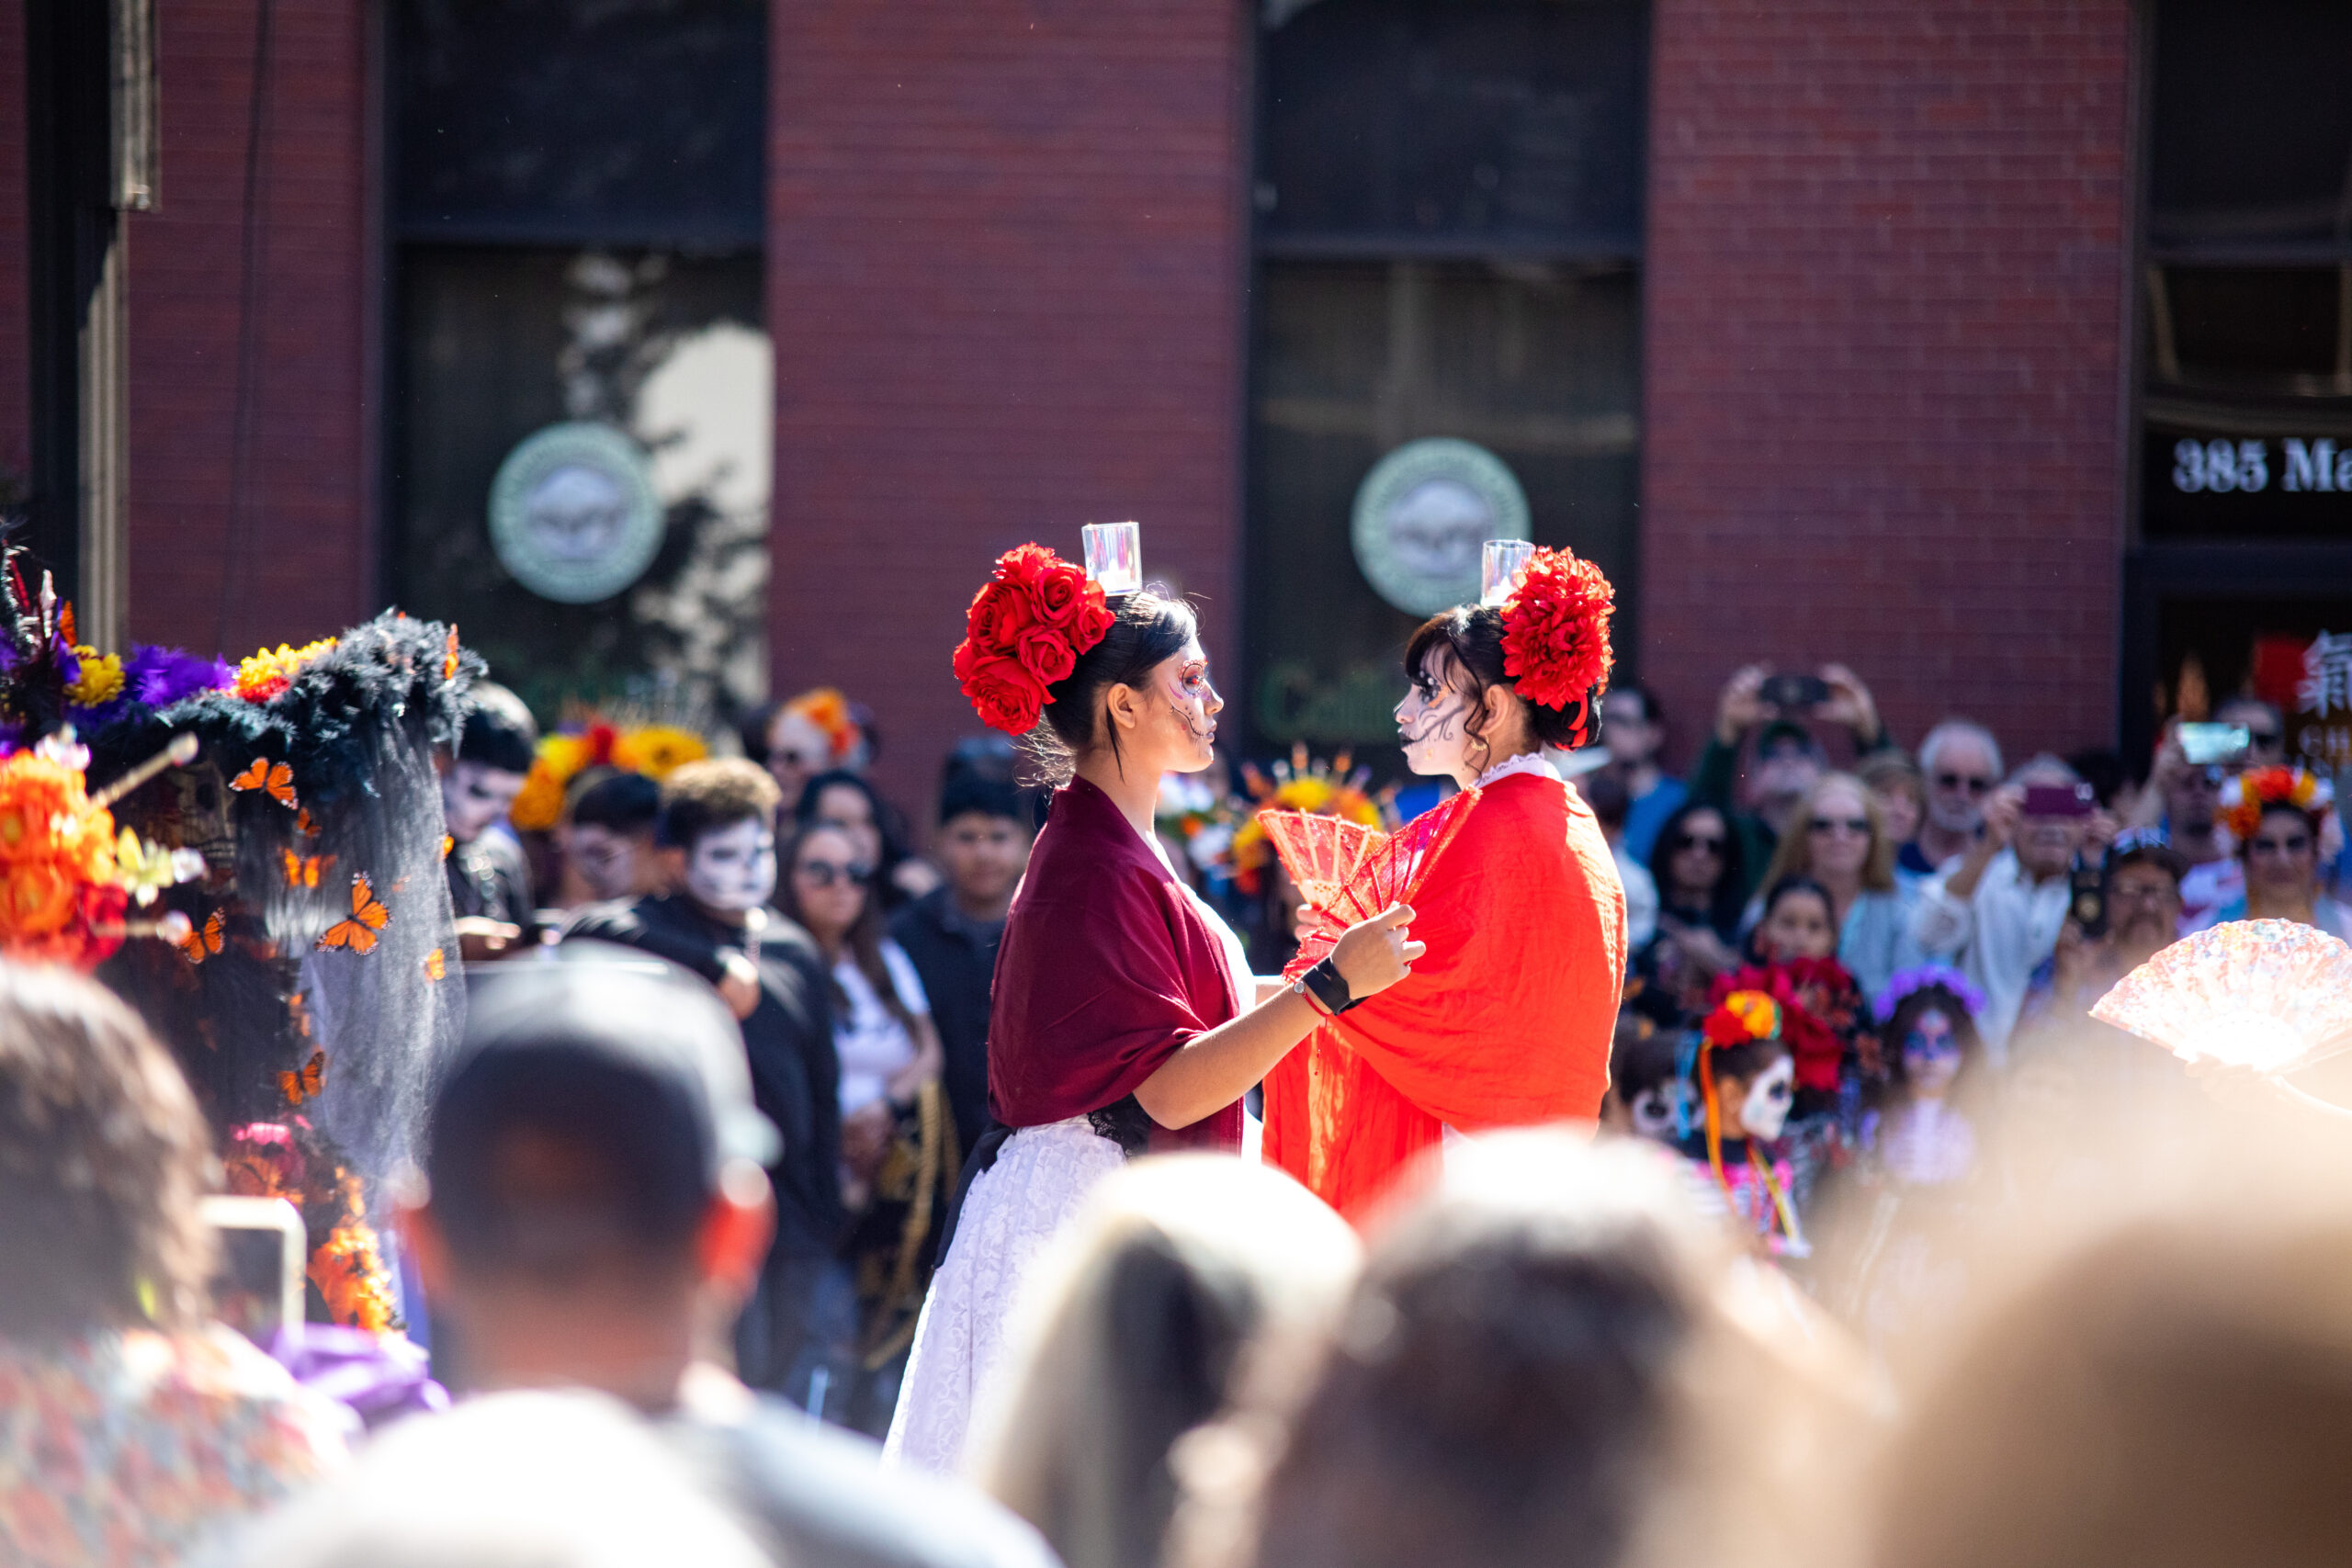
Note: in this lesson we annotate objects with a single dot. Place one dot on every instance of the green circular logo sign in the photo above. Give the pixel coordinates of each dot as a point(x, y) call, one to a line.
point(1422, 516)
point(572, 512)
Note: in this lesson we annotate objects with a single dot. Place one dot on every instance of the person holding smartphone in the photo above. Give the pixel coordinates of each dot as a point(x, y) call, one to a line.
point(1788, 761)
point(1994, 913)
point(2278, 815)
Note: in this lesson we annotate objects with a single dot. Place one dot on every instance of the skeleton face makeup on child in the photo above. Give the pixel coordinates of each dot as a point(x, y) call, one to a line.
point(474, 796)
point(733, 869)
point(1930, 1055)
point(1658, 1110)
point(1766, 1110)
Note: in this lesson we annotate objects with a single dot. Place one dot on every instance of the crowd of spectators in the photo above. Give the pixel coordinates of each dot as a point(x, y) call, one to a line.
point(1544, 1352)
point(715, 1086)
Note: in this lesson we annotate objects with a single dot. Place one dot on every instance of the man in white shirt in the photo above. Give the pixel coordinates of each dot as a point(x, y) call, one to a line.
point(1994, 911)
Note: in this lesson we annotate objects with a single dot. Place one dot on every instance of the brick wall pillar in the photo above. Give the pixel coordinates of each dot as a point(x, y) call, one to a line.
point(1887, 305)
point(1006, 258)
point(299, 499)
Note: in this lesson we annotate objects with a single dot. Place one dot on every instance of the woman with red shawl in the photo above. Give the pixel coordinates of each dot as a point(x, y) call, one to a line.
point(1122, 1015)
point(1508, 1021)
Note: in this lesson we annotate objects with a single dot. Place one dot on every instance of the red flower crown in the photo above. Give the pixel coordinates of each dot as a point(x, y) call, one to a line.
point(1555, 631)
point(1028, 624)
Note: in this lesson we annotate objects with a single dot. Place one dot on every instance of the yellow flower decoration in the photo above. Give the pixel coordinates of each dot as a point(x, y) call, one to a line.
point(657, 749)
point(101, 679)
point(268, 672)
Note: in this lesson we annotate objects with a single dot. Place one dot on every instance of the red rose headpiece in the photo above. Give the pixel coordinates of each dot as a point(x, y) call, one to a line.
point(1798, 986)
point(1555, 633)
point(1028, 624)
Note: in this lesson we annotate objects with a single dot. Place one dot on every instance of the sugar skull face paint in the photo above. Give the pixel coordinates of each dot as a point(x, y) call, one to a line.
point(733, 869)
point(474, 796)
point(1184, 683)
point(1932, 1055)
point(1766, 1110)
point(1433, 722)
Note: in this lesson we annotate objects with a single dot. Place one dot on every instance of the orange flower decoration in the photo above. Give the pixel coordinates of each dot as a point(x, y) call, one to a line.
point(58, 871)
point(2257, 790)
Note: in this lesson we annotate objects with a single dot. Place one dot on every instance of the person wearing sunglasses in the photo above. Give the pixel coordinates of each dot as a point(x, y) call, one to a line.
point(1960, 763)
point(2183, 806)
point(1778, 711)
point(898, 1162)
point(1994, 913)
point(1839, 840)
point(2276, 816)
point(717, 840)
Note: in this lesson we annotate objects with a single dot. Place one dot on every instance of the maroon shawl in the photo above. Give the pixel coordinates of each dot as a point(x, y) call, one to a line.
point(1106, 971)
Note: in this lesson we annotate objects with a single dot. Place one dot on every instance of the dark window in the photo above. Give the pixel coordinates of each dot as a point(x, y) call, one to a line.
point(554, 121)
point(1449, 225)
point(1496, 122)
point(577, 196)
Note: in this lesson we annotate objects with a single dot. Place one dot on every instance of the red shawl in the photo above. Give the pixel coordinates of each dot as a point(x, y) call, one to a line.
point(1506, 1022)
point(1106, 971)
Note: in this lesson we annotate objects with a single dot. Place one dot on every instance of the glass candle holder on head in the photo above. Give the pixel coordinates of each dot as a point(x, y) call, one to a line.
point(1500, 564)
point(1114, 555)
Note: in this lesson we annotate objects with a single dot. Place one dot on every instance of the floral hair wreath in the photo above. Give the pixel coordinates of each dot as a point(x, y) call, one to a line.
point(825, 707)
point(1028, 626)
point(2257, 790)
point(1742, 1018)
point(1555, 633)
point(1925, 976)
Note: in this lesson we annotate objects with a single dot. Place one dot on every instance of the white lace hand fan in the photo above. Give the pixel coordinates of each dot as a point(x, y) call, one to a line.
point(2273, 996)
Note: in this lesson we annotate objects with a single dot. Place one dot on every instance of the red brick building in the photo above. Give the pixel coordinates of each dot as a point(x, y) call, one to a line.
point(1851, 330)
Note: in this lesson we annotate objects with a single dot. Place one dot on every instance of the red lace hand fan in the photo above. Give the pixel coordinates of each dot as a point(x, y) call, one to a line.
point(1347, 873)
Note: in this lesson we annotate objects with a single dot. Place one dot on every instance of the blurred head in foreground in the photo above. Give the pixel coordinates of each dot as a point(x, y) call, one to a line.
point(2169, 1388)
point(598, 1211)
point(512, 1481)
point(103, 1154)
point(1551, 1359)
point(1178, 1272)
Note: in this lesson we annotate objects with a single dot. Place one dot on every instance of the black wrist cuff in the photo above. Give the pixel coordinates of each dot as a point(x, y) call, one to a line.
point(1328, 985)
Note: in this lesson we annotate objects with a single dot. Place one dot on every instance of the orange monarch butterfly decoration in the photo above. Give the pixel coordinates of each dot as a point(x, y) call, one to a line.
point(276, 778)
point(203, 941)
point(303, 823)
point(302, 871)
point(435, 966)
point(357, 933)
point(449, 657)
point(306, 1083)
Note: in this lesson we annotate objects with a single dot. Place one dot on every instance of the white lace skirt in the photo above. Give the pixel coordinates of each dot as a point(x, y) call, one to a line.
point(1015, 1207)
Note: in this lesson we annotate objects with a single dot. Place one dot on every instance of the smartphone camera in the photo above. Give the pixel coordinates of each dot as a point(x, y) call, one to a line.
point(2212, 745)
point(2086, 900)
point(1795, 694)
point(2060, 800)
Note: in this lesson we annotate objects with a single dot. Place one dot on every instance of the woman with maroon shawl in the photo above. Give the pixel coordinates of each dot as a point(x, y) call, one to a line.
point(1122, 1015)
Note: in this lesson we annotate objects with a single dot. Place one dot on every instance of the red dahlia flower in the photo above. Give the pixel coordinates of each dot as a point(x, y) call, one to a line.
point(1555, 630)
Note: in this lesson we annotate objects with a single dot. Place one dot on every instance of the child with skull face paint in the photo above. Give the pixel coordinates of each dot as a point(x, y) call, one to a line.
point(1885, 1260)
point(1746, 1084)
point(717, 827)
